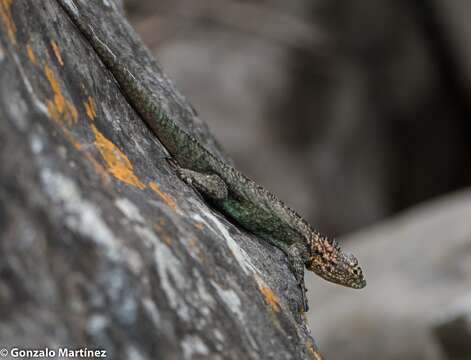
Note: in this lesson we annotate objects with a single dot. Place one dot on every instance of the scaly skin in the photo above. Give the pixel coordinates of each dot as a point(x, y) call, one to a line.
point(252, 206)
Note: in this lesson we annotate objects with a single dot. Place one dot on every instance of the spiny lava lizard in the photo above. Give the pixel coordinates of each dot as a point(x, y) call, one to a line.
point(248, 203)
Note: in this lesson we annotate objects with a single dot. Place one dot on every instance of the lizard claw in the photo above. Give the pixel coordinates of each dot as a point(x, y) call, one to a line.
point(172, 162)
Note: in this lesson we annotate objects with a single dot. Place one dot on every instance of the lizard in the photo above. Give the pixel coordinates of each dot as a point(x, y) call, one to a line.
point(251, 206)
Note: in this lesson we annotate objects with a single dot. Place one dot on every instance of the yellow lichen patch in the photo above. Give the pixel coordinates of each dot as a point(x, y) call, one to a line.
point(31, 55)
point(117, 162)
point(59, 100)
point(193, 244)
point(270, 298)
point(59, 108)
point(71, 111)
point(166, 198)
point(98, 168)
point(161, 232)
point(5, 15)
point(76, 144)
point(71, 138)
point(315, 354)
point(90, 108)
point(52, 110)
point(199, 225)
point(57, 52)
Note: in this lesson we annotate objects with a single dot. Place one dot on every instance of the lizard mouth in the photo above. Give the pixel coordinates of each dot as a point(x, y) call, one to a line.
point(358, 285)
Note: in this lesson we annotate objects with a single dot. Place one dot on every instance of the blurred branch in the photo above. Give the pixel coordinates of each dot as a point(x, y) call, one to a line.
point(252, 19)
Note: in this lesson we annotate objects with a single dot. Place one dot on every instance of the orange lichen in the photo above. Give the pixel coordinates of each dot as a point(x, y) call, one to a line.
point(270, 298)
point(5, 15)
point(31, 55)
point(52, 110)
point(98, 168)
point(161, 232)
point(193, 245)
point(90, 108)
point(71, 138)
point(315, 354)
point(59, 100)
point(76, 144)
point(71, 111)
point(117, 162)
point(199, 225)
point(166, 198)
point(59, 108)
point(57, 52)
point(193, 242)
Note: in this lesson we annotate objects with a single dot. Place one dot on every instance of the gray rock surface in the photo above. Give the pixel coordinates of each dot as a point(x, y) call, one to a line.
point(416, 265)
point(100, 244)
point(452, 329)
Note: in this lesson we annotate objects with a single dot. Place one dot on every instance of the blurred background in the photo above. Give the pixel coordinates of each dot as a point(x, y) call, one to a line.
point(357, 115)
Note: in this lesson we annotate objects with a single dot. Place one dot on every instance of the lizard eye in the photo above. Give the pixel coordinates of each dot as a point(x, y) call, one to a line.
point(352, 260)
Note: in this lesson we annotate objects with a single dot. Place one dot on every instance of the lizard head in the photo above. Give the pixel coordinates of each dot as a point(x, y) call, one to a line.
point(328, 261)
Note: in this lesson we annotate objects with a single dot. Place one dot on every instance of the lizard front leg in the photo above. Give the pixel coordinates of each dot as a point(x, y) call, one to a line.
point(213, 187)
point(210, 185)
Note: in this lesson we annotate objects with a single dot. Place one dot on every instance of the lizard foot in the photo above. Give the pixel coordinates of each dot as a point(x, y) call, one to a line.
point(210, 185)
point(172, 162)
